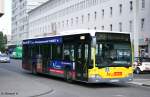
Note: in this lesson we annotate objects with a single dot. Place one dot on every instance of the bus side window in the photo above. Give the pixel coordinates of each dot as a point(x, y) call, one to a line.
point(79, 52)
point(56, 52)
point(66, 52)
point(86, 52)
point(72, 55)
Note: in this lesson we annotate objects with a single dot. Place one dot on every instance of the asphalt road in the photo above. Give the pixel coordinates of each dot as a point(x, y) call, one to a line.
point(77, 89)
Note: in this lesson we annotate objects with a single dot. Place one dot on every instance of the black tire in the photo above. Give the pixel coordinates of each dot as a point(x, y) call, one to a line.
point(68, 75)
point(137, 71)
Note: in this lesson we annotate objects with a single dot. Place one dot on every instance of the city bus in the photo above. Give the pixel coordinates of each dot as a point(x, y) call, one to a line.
point(89, 56)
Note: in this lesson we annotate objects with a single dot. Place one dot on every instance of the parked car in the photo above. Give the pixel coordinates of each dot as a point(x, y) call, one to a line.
point(141, 64)
point(4, 58)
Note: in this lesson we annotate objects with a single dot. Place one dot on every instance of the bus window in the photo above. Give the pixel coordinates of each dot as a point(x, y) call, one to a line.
point(99, 49)
point(79, 52)
point(56, 52)
point(112, 53)
point(34, 51)
point(44, 56)
point(99, 56)
point(86, 52)
point(46, 51)
point(68, 52)
point(72, 53)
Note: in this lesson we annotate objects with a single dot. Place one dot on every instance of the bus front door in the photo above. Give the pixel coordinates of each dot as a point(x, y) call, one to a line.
point(81, 66)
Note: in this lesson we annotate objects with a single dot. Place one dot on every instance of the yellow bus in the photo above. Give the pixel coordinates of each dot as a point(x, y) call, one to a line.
point(89, 56)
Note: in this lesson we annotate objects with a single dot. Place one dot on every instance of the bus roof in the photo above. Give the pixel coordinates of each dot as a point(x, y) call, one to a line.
point(91, 32)
point(81, 31)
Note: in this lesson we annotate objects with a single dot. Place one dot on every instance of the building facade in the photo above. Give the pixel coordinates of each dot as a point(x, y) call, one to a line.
point(20, 9)
point(1, 7)
point(55, 16)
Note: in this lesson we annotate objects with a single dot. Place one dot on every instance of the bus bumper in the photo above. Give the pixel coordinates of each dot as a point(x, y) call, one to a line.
point(109, 80)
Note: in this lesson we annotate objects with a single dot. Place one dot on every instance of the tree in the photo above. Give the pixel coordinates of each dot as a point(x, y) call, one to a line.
point(3, 42)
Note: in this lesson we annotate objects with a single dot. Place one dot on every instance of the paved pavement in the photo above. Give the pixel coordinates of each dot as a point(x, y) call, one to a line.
point(141, 82)
point(15, 85)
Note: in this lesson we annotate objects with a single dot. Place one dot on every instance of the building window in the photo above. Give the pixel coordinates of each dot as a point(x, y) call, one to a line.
point(82, 17)
point(143, 3)
point(130, 26)
point(120, 27)
point(102, 27)
point(71, 21)
point(142, 24)
point(62, 23)
point(111, 9)
point(110, 27)
point(103, 13)
point(95, 15)
point(131, 5)
point(88, 17)
point(67, 22)
point(120, 8)
point(76, 20)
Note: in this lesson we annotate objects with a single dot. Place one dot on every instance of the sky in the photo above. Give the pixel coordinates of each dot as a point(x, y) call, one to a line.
point(5, 20)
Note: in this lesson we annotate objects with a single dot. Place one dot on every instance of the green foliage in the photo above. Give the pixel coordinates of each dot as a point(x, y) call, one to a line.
point(3, 42)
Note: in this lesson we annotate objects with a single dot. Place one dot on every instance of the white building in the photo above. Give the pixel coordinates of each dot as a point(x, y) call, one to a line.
point(20, 10)
point(117, 15)
point(1, 7)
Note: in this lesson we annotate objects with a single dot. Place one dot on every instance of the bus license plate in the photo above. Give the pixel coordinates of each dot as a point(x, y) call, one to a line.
point(117, 73)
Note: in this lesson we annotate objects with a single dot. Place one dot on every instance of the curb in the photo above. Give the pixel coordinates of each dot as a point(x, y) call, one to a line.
point(140, 84)
point(136, 83)
point(146, 85)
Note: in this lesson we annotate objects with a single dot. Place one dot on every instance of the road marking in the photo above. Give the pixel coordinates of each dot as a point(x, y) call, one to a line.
point(119, 95)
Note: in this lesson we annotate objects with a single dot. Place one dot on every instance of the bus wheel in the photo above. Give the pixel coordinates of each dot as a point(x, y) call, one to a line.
point(68, 75)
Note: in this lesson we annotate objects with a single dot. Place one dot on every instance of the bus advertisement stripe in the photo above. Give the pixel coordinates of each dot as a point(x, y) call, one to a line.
point(56, 71)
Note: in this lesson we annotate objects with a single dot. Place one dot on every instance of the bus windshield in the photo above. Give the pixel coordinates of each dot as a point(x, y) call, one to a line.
point(112, 52)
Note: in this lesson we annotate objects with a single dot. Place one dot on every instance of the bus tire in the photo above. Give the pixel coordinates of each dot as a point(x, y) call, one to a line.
point(68, 75)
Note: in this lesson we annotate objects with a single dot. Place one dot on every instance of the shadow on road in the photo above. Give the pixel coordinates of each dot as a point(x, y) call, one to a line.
point(83, 84)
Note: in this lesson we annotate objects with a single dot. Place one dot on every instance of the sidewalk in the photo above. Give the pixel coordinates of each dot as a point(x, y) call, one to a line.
point(141, 82)
point(16, 85)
